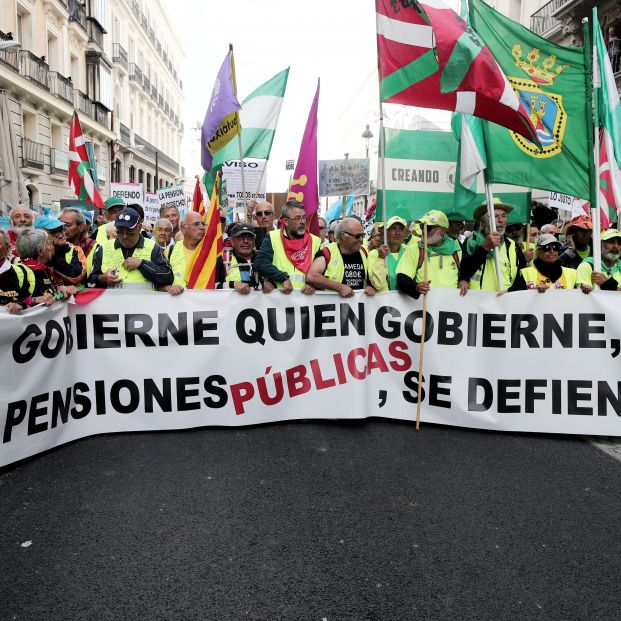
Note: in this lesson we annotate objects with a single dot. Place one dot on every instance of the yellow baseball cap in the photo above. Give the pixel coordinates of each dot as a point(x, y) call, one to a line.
point(435, 218)
point(610, 234)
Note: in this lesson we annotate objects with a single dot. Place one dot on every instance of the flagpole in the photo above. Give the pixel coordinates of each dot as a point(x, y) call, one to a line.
point(423, 330)
point(382, 171)
point(596, 81)
point(492, 227)
point(239, 136)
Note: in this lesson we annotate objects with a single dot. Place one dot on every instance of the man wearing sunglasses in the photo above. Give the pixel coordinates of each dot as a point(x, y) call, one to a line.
point(286, 254)
point(546, 272)
point(342, 265)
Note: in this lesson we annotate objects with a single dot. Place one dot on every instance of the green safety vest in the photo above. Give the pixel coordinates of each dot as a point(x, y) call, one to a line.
point(281, 260)
point(176, 258)
point(112, 258)
point(23, 271)
point(485, 277)
point(442, 269)
point(335, 266)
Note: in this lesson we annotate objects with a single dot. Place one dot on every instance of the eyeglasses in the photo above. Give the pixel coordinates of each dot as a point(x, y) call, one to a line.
point(58, 232)
point(357, 236)
point(263, 213)
point(298, 219)
point(551, 248)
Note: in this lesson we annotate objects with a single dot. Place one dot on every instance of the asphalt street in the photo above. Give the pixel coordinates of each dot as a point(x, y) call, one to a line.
point(313, 520)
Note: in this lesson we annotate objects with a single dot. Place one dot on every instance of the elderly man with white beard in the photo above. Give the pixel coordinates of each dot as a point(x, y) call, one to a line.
point(442, 254)
point(608, 277)
point(478, 270)
point(22, 218)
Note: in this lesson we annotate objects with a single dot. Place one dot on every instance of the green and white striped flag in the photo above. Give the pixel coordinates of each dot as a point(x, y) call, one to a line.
point(421, 173)
point(259, 118)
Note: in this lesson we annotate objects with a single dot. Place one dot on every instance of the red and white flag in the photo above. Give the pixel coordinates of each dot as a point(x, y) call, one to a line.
point(434, 59)
point(80, 167)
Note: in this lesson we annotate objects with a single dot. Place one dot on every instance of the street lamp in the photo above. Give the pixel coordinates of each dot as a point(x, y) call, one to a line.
point(367, 134)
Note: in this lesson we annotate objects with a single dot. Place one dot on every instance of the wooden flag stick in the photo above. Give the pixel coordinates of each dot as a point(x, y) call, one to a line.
point(423, 331)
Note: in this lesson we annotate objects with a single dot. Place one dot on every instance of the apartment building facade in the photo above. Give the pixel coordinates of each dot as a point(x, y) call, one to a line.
point(61, 55)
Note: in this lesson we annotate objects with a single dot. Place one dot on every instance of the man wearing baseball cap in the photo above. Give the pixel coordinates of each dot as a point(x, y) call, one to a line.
point(578, 241)
point(240, 274)
point(113, 206)
point(443, 256)
point(383, 261)
point(68, 262)
point(546, 272)
point(478, 269)
point(129, 260)
point(608, 277)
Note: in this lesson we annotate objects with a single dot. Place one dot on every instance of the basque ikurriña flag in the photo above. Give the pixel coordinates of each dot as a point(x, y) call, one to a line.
point(433, 59)
point(80, 168)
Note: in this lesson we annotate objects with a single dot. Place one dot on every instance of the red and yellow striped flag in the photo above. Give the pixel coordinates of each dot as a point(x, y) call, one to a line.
point(198, 202)
point(200, 272)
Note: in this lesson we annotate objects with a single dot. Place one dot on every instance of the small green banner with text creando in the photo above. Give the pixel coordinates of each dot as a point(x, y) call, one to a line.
point(420, 168)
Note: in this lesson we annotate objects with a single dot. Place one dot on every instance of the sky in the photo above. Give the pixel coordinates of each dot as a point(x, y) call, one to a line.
point(331, 40)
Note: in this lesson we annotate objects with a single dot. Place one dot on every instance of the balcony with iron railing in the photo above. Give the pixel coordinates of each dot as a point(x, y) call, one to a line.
point(135, 73)
point(543, 20)
point(33, 154)
point(64, 3)
point(146, 84)
point(62, 87)
point(83, 103)
point(10, 58)
point(59, 162)
point(126, 133)
point(34, 69)
point(77, 13)
point(119, 56)
point(136, 8)
point(101, 114)
point(153, 93)
point(95, 33)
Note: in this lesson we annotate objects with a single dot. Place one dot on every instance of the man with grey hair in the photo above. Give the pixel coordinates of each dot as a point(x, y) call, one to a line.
point(341, 266)
point(37, 251)
point(162, 234)
point(15, 285)
point(76, 232)
point(286, 254)
point(21, 218)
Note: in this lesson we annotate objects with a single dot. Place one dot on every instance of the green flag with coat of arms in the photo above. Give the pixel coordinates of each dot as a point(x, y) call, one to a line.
point(551, 80)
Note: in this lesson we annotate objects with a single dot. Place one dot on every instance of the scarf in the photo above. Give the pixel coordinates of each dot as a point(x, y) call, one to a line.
point(476, 239)
point(298, 251)
point(449, 246)
point(392, 260)
point(605, 269)
point(552, 271)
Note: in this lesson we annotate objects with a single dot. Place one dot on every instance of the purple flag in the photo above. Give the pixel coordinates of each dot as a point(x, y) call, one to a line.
point(303, 186)
point(217, 128)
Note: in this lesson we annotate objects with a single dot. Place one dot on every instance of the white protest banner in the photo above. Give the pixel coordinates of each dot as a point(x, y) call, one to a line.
point(139, 360)
point(129, 192)
point(151, 207)
point(172, 196)
point(343, 177)
point(254, 179)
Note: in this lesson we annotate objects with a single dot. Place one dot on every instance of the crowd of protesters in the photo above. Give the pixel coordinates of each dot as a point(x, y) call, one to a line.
point(45, 259)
